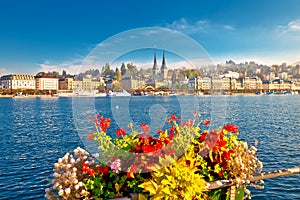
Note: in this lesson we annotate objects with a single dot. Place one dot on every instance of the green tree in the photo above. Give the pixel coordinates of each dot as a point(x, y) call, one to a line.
point(107, 70)
point(123, 69)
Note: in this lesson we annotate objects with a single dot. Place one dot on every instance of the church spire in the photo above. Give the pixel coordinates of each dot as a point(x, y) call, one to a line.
point(155, 70)
point(164, 65)
point(155, 67)
point(163, 69)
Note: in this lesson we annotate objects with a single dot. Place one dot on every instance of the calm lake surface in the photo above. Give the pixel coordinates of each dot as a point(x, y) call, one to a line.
point(36, 132)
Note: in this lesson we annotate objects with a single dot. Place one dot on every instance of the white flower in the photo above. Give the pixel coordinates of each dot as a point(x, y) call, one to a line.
point(82, 192)
point(67, 190)
point(80, 184)
point(56, 175)
point(77, 187)
point(59, 160)
point(61, 192)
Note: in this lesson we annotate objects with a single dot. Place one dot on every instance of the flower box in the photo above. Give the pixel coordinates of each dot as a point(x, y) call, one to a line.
point(179, 163)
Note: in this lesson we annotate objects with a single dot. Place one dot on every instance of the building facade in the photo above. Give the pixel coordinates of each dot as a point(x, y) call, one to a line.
point(18, 81)
point(252, 84)
point(65, 84)
point(46, 83)
point(129, 83)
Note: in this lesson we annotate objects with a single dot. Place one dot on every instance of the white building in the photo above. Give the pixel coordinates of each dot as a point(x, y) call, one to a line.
point(17, 81)
point(233, 75)
point(46, 83)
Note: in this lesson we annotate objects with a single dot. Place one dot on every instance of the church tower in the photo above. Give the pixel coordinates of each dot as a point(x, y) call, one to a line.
point(155, 70)
point(163, 69)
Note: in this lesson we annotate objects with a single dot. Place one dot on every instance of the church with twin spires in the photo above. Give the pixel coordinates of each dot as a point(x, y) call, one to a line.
point(159, 74)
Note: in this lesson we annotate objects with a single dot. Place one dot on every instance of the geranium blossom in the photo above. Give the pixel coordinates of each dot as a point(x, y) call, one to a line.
point(116, 165)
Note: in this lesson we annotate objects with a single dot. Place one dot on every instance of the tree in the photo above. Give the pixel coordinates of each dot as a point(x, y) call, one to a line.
point(96, 73)
point(64, 73)
point(123, 69)
point(118, 74)
point(107, 70)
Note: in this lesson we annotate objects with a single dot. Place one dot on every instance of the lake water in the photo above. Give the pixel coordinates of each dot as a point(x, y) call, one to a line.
point(36, 132)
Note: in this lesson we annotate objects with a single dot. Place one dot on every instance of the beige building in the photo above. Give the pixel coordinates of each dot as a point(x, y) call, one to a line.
point(277, 85)
point(252, 83)
point(65, 84)
point(237, 85)
point(46, 83)
point(204, 84)
point(18, 81)
point(128, 83)
point(87, 84)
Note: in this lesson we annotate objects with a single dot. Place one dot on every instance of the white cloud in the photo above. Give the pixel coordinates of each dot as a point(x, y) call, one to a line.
point(188, 27)
point(229, 27)
point(71, 67)
point(291, 27)
point(294, 25)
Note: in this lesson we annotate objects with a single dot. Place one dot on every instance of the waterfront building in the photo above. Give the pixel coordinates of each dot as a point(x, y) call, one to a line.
point(237, 85)
point(217, 84)
point(46, 83)
point(252, 84)
point(226, 83)
point(129, 83)
point(277, 85)
point(77, 85)
point(87, 84)
point(65, 84)
point(193, 83)
point(204, 84)
point(18, 81)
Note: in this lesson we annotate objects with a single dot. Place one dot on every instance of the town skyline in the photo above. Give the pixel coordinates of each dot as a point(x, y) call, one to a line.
point(52, 35)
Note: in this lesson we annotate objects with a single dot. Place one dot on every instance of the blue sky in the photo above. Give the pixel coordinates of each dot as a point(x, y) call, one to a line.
point(56, 35)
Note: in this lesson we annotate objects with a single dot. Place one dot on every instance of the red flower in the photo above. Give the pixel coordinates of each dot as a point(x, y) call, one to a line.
point(220, 174)
point(173, 118)
point(231, 128)
point(145, 128)
point(120, 132)
point(202, 137)
point(102, 170)
point(85, 167)
point(90, 118)
point(206, 122)
point(130, 175)
point(91, 172)
point(159, 132)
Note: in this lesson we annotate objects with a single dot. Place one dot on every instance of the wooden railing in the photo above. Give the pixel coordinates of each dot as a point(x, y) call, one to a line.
point(256, 178)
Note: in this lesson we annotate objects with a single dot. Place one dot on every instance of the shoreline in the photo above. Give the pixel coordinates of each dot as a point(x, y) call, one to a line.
point(56, 96)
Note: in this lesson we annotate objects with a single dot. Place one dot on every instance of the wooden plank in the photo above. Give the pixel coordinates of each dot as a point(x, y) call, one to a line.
point(256, 178)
